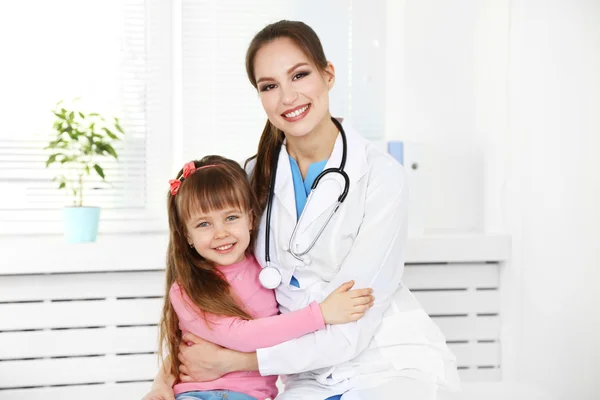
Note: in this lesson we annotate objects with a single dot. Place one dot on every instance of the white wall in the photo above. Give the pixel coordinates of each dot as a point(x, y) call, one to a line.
point(431, 99)
point(516, 85)
point(553, 190)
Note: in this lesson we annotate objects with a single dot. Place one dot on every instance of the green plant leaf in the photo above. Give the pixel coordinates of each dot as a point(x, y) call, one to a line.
point(62, 185)
point(110, 134)
point(51, 159)
point(68, 159)
point(118, 125)
point(109, 149)
point(81, 115)
point(99, 170)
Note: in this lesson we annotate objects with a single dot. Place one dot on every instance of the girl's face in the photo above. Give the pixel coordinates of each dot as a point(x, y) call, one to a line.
point(293, 91)
point(221, 236)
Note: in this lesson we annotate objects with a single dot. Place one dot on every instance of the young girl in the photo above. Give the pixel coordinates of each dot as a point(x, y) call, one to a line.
point(212, 285)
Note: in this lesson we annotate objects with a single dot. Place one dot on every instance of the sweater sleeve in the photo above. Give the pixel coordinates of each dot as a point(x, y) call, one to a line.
point(242, 335)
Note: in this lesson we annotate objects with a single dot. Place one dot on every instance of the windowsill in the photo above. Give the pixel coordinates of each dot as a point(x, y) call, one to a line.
point(38, 254)
point(111, 223)
point(35, 254)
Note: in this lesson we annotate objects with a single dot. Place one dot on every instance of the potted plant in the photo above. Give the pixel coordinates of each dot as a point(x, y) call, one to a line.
point(82, 142)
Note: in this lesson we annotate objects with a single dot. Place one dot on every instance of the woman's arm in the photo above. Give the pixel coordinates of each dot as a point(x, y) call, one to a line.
point(376, 260)
point(162, 386)
point(203, 361)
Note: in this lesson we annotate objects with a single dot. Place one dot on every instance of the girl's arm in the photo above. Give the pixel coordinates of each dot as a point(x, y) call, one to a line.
point(247, 336)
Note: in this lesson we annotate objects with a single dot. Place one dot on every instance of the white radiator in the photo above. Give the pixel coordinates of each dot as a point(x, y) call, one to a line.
point(90, 332)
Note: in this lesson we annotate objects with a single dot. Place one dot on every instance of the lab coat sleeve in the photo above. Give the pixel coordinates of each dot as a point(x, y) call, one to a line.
point(242, 335)
point(376, 260)
point(249, 167)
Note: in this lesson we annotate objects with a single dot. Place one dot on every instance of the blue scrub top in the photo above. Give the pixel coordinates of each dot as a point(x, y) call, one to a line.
point(302, 187)
point(302, 190)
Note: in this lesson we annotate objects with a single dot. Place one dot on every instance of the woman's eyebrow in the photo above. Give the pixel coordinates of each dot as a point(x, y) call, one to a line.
point(268, 78)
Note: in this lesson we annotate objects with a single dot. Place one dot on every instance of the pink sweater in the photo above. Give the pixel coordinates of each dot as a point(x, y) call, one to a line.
point(268, 329)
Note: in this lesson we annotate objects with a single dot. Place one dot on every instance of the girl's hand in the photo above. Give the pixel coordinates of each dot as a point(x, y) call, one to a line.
point(160, 392)
point(201, 360)
point(345, 305)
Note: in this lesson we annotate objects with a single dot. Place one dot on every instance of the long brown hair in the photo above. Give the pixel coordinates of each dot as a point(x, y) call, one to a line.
point(225, 184)
point(308, 41)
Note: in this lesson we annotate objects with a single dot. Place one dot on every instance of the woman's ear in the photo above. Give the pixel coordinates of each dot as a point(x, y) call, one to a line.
point(329, 75)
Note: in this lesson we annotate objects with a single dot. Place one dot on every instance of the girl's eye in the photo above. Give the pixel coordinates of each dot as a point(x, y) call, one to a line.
point(202, 224)
point(232, 218)
point(299, 75)
point(268, 87)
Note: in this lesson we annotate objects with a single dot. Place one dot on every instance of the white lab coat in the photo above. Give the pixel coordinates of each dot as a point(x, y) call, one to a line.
point(365, 242)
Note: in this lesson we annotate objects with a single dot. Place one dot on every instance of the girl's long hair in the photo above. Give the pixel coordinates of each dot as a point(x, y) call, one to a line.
point(224, 184)
point(307, 40)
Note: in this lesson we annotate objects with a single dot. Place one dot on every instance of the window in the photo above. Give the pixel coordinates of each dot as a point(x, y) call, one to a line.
point(174, 72)
point(221, 112)
point(116, 56)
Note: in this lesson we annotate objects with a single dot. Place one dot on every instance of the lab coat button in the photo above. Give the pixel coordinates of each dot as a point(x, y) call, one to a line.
point(285, 247)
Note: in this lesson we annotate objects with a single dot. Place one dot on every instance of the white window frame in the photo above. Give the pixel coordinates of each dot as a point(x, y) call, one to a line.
point(159, 158)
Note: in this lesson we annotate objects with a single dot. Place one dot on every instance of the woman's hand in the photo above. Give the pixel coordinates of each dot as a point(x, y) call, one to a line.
point(345, 305)
point(201, 360)
point(160, 392)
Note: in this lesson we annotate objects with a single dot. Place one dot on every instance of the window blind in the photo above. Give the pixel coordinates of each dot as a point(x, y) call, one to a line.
point(114, 55)
point(221, 111)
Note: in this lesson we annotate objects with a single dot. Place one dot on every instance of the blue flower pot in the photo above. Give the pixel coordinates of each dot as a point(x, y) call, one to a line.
point(81, 224)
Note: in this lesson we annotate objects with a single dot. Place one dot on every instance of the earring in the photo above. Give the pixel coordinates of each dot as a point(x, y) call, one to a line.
point(191, 244)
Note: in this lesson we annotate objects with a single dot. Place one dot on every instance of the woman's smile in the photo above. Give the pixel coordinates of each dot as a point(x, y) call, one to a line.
point(297, 113)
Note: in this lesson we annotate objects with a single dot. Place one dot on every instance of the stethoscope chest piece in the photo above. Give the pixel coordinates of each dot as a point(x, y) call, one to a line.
point(270, 277)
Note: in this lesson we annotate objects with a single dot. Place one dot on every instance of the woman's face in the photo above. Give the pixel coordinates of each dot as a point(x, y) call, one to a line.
point(293, 91)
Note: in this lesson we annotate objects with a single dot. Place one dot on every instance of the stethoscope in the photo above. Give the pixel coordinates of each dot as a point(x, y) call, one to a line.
point(270, 277)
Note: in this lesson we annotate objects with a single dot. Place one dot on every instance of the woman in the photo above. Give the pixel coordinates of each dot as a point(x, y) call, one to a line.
point(395, 351)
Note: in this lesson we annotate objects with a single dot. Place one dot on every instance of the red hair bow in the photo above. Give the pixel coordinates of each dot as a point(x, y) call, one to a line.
point(175, 184)
point(188, 169)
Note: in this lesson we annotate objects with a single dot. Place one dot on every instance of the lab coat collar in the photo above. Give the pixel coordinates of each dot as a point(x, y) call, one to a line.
point(326, 195)
point(284, 185)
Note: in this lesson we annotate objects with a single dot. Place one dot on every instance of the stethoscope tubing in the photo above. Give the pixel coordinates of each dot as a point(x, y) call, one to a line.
point(340, 200)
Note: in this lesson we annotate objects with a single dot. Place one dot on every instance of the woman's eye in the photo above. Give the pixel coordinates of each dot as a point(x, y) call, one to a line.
point(299, 75)
point(268, 87)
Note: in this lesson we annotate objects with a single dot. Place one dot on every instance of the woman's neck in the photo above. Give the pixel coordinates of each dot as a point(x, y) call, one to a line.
point(314, 146)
